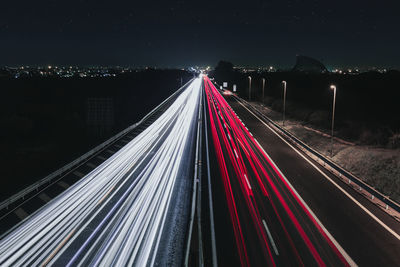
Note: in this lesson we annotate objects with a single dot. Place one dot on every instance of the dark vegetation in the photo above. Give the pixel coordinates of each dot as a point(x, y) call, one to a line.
point(367, 104)
point(47, 122)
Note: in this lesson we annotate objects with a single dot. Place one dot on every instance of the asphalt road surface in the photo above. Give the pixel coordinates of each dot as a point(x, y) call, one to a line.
point(353, 228)
point(272, 204)
point(271, 223)
point(116, 214)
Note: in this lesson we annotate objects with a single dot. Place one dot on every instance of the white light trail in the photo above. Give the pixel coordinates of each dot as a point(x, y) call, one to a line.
point(123, 203)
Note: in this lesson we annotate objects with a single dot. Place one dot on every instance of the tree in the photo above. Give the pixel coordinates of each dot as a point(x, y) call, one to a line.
point(224, 66)
point(223, 71)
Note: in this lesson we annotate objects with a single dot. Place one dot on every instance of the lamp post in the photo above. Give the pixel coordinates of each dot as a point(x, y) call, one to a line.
point(249, 88)
point(263, 85)
point(333, 87)
point(284, 102)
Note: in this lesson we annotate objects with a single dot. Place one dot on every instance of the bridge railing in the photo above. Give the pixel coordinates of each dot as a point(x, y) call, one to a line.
point(70, 166)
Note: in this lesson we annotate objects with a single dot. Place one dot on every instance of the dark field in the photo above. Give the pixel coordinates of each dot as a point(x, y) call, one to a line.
point(48, 122)
point(367, 109)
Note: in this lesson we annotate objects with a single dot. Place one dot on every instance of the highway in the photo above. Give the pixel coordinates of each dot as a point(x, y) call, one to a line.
point(343, 226)
point(272, 225)
point(116, 215)
point(206, 159)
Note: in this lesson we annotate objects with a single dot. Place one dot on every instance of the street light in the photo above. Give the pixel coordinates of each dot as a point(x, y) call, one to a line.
point(333, 87)
point(284, 102)
point(249, 88)
point(263, 85)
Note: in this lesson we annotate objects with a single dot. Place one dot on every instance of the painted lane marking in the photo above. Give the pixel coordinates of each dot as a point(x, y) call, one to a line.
point(248, 184)
point(236, 153)
point(270, 238)
point(338, 246)
point(334, 183)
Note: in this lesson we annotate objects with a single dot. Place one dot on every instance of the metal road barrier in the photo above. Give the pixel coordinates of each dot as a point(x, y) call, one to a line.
point(342, 173)
point(21, 194)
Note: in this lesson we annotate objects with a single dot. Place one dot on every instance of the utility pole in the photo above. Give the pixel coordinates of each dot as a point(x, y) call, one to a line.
point(263, 85)
point(333, 87)
point(284, 102)
point(249, 88)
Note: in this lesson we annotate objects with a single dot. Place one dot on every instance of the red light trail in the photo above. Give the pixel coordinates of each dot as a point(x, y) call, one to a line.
point(248, 174)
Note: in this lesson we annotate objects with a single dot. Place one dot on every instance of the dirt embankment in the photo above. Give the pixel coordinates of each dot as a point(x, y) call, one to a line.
point(379, 167)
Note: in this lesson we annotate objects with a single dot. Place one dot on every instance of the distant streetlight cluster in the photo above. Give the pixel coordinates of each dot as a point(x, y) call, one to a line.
point(357, 70)
point(255, 69)
point(344, 71)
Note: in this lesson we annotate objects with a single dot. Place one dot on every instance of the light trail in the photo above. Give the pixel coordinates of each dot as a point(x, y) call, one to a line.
point(243, 165)
point(115, 215)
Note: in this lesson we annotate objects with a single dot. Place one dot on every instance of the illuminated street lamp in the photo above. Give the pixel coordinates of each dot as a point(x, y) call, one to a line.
point(333, 87)
point(284, 102)
point(263, 85)
point(249, 88)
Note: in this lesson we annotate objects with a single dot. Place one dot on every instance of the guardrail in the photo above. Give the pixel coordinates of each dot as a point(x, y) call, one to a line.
point(21, 194)
point(341, 172)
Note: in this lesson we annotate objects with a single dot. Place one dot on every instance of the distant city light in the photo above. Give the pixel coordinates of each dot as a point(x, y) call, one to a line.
point(73, 71)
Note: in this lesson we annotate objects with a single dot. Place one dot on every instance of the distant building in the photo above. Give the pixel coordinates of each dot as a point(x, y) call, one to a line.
point(309, 65)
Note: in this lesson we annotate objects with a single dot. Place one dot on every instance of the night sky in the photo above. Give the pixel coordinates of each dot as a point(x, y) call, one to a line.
point(185, 33)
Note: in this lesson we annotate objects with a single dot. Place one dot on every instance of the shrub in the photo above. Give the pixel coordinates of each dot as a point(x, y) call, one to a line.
point(320, 118)
point(366, 137)
point(394, 141)
point(268, 101)
point(350, 130)
point(277, 105)
point(301, 113)
point(375, 136)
